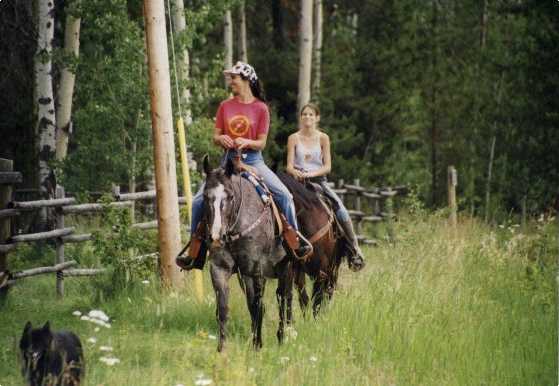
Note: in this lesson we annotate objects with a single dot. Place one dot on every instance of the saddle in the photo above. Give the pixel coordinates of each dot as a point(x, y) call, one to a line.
point(331, 206)
point(197, 247)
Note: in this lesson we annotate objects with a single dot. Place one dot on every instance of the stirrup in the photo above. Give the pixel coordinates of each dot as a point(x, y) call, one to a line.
point(188, 262)
point(305, 248)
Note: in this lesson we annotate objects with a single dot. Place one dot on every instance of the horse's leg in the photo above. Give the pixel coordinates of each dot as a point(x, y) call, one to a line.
point(254, 288)
point(220, 281)
point(317, 295)
point(301, 290)
point(284, 296)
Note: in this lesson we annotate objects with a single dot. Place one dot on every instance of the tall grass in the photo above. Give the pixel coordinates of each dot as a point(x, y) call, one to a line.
point(475, 306)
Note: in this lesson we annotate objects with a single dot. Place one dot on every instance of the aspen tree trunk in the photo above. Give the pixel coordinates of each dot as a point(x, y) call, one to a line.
point(67, 81)
point(44, 101)
point(179, 26)
point(305, 54)
point(317, 49)
point(243, 53)
point(499, 91)
point(278, 24)
point(228, 39)
point(434, 109)
point(163, 141)
point(483, 25)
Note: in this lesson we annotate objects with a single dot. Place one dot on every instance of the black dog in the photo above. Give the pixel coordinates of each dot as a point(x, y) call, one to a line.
point(53, 358)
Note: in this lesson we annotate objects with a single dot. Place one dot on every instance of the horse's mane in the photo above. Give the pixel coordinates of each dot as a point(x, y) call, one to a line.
point(302, 196)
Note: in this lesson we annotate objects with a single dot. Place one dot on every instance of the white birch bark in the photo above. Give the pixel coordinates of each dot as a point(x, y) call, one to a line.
point(243, 51)
point(66, 88)
point(228, 39)
point(44, 100)
point(317, 48)
point(305, 53)
point(179, 26)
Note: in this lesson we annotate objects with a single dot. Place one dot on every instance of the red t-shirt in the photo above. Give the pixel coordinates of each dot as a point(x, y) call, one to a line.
point(247, 120)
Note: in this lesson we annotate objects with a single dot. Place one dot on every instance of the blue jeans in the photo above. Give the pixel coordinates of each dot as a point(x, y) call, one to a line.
point(282, 196)
point(342, 213)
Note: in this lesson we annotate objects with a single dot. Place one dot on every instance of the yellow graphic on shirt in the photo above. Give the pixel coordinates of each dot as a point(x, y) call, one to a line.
point(239, 125)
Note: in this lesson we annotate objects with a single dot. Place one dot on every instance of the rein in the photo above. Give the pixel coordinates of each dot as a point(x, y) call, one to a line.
point(231, 236)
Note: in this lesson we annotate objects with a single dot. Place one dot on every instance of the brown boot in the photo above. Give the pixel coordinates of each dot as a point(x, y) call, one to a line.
point(296, 242)
point(355, 258)
point(196, 252)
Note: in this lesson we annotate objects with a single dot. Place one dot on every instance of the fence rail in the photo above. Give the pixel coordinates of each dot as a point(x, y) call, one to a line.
point(367, 205)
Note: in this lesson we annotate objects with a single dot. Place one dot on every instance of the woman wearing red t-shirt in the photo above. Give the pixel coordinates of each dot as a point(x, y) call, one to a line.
point(242, 124)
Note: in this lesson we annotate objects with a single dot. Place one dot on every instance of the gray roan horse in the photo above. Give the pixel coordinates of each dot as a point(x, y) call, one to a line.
point(243, 240)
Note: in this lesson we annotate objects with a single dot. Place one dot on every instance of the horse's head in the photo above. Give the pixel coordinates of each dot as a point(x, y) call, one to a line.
point(218, 200)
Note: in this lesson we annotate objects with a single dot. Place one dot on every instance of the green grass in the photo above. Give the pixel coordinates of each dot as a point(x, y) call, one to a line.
point(471, 307)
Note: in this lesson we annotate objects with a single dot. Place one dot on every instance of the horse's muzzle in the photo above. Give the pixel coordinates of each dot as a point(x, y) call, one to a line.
point(216, 243)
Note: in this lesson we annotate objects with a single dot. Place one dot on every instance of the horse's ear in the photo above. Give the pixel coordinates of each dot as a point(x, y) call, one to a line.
point(206, 164)
point(229, 167)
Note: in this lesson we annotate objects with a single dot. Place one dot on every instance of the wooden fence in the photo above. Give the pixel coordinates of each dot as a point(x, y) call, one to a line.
point(354, 195)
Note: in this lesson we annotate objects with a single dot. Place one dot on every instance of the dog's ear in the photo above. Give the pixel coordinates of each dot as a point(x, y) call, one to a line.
point(229, 167)
point(26, 336)
point(46, 327)
point(206, 163)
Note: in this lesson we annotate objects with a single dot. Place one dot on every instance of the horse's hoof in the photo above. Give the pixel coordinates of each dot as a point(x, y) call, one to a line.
point(356, 266)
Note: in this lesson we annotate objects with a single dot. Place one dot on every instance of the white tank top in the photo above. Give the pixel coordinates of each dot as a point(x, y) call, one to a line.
point(308, 158)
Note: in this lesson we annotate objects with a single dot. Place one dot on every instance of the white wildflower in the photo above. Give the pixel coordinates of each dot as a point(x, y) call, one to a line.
point(99, 315)
point(145, 281)
point(109, 361)
point(290, 333)
point(212, 337)
point(203, 382)
point(97, 329)
point(86, 318)
point(284, 360)
point(313, 359)
point(251, 369)
point(77, 313)
point(105, 348)
point(92, 340)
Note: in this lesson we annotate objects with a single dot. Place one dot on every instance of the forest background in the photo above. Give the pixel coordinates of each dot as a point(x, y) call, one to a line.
point(406, 88)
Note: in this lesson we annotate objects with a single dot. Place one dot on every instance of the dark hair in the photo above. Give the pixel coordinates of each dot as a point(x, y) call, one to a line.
point(256, 88)
point(311, 106)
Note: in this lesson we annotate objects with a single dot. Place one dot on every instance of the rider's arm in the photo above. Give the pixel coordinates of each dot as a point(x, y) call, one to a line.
point(254, 144)
point(326, 158)
point(290, 168)
point(220, 138)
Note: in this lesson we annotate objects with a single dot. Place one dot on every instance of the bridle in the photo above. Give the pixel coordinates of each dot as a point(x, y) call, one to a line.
point(230, 234)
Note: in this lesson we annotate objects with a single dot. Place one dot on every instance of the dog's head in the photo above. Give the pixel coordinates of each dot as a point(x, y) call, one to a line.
point(34, 346)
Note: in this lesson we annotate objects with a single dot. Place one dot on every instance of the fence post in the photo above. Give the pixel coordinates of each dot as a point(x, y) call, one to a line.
point(59, 244)
point(5, 229)
point(452, 182)
point(389, 208)
point(356, 182)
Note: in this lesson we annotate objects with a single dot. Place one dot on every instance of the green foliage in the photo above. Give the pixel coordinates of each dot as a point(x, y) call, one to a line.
point(118, 246)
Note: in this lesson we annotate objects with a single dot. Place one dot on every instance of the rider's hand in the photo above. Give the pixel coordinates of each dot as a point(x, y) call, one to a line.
point(226, 141)
point(242, 143)
point(299, 175)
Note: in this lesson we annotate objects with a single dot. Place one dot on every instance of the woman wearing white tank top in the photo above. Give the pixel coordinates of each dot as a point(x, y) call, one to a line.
point(308, 157)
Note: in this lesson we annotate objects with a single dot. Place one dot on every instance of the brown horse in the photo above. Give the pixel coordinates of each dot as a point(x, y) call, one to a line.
point(318, 224)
